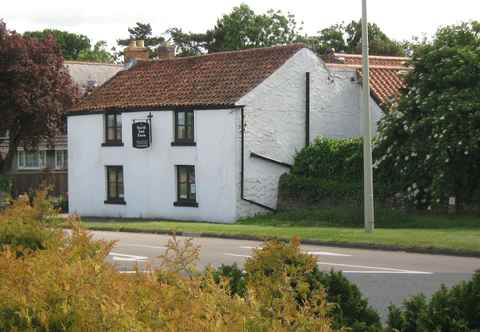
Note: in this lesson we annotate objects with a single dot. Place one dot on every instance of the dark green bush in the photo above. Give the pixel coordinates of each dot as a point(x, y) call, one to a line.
point(454, 309)
point(329, 172)
point(331, 159)
point(350, 309)
point(5, 184)
point(235, 277)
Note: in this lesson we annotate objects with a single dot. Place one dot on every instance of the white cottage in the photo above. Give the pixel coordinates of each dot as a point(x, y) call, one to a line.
point(206, 137)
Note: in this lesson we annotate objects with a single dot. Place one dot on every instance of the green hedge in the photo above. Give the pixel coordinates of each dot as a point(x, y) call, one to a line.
point(330, 172)
point(332, 159)
point(310, 190)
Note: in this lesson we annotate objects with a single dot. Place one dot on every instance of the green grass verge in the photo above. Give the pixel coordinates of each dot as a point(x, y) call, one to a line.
point(420, 233)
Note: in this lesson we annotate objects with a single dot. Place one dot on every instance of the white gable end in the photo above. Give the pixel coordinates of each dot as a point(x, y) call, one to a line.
point(275, 119)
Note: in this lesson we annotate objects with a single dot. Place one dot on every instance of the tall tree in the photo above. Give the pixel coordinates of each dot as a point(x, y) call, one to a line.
point(348, 39)
point(241, 28)
point(329, 38)
point(143, 31)
point(379, 42)
point(35, 91)
point(189, 44)
point(430, 142)
point(98, 53)
point(71, 44)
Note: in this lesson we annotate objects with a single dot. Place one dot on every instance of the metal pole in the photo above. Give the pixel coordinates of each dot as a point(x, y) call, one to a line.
point(367, 126)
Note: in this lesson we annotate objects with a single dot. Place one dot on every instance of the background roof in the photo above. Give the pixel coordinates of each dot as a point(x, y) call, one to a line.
point(386, 73)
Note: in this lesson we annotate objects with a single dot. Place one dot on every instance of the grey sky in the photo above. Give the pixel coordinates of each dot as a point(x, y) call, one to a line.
point(108, 20)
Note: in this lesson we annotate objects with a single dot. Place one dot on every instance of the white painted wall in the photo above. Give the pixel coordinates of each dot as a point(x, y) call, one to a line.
point(149, 174)
point(336, 104)
point(275, 121)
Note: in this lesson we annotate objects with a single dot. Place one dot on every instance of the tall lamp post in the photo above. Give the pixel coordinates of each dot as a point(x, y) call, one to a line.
point(369, 218)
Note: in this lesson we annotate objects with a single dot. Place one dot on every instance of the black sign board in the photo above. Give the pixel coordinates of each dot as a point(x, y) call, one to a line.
point(141, 134)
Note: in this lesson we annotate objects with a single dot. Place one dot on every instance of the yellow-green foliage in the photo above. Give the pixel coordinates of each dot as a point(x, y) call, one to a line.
point(277, 275)
point(29, 226)
point(66, 285)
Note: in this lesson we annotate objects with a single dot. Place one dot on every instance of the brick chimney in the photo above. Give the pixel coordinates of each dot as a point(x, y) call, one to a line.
point(135, 50)
point(166, 51)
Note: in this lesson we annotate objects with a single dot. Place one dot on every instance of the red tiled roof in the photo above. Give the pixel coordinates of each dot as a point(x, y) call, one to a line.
point(386, 73)
point(217, 79)
point(374, 60)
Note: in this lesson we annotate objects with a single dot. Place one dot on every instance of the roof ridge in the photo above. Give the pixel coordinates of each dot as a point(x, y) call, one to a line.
point(354, 66)
point(92, 63)
point(245, 50)
point(379, 57)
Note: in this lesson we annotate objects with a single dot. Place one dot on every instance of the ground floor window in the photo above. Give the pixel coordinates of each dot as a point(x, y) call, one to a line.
point(186, 186)
point(61, 159)
point(31, 159)
point(115, 192)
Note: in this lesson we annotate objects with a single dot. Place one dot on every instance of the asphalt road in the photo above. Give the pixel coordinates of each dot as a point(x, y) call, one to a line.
point(384, 277)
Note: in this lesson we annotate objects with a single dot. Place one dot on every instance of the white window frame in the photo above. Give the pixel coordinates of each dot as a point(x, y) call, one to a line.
point(4, 134)
point(64, 159)
point(21, 162)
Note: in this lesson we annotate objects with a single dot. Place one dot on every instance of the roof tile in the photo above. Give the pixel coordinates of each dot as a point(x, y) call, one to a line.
point(217, 79)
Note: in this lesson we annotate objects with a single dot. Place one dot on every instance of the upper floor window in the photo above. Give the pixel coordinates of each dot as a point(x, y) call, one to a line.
point(184, 128)
point(31, 159)
point(113, 129)
point(61, 159)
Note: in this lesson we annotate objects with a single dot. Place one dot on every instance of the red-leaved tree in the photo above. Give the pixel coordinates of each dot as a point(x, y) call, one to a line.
point(35, 91)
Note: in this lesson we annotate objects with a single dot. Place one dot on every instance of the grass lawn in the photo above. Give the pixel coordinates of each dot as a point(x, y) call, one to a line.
point(440, 233)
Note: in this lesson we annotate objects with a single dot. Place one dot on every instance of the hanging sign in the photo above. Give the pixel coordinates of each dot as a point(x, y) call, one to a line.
point(141, 134)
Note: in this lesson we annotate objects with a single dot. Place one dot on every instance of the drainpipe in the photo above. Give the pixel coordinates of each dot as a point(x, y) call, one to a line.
point(307, 108)
point(242, 171)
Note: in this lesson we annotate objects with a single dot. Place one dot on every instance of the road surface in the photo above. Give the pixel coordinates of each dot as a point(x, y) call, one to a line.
point(384, 277)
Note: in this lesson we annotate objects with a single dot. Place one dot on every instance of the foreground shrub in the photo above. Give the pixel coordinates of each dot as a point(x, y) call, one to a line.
point(278, 276)
point(25, 225)
point(279, 268)
point(455, 309)
point(68, 286)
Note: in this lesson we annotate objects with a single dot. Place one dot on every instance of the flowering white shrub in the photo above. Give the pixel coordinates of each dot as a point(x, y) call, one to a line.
point(429, 143)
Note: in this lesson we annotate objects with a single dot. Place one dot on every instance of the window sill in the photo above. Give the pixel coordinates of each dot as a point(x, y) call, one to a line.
point(112, 144)
point(184, 144)
point(186, 203)
point(116, 201)
point(26, 169)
